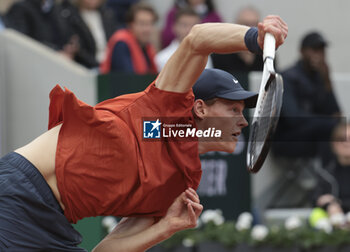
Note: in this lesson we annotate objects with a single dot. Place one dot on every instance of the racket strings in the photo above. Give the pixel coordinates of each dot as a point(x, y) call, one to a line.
point(261, 127)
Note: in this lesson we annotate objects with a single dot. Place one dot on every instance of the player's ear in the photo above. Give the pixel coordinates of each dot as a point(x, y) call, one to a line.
point(199, 109)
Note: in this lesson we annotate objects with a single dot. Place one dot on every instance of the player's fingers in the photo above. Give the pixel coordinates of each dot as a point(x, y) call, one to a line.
point(277, 19)
point(195, 193)
point(191, 215)
point(276, 26)
point(193, 196)
point(280, 24)
point(276, 32)
point(192, 190)
point(197, 207)
point(283, 24)
point(183, 197)
point(198, 210)
point(282, 29)
point(272, 23)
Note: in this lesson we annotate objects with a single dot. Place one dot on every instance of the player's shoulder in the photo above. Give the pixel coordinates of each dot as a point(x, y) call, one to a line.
point(120, 103)
point(127, 101)
point(151, 100)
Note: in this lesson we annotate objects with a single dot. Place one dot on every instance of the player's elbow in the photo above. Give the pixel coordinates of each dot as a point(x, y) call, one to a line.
point(195, 40)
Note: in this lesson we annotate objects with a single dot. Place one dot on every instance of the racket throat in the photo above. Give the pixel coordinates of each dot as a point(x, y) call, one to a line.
point(269, 81)
point(268, 63)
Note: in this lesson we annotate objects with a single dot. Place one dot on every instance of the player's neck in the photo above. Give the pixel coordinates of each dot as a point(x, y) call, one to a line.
point(201, 148)
point(204, 147)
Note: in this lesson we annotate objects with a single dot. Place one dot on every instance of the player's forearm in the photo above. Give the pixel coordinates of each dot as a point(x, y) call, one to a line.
point(140, 241)
point(217, 38)
point(131, 225)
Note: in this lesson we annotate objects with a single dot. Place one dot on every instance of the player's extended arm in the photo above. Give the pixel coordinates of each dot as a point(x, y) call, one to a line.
point(187, 63)
point(139, 234)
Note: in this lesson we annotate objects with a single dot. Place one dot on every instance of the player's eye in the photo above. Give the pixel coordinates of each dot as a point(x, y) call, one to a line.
point(236, 110)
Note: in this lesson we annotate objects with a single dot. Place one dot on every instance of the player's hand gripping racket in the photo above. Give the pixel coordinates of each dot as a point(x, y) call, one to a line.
point(267, 109)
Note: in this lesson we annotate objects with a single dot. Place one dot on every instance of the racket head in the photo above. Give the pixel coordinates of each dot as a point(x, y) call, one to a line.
point(264, 125)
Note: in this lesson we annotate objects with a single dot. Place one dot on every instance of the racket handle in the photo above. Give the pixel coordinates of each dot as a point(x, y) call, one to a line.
point(269, 46)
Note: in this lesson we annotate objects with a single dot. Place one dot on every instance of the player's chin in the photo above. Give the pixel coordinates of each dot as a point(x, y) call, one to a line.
point(229, 147)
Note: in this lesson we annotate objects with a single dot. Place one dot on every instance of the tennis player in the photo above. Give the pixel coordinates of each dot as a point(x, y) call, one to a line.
point(96, 161)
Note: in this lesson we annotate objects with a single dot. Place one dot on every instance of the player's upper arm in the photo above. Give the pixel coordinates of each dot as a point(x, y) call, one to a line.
point(187, 63)
point(184, 66)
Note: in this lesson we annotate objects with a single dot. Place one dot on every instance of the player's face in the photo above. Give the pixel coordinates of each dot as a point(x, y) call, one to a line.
point(143, 26)
point(227, 116)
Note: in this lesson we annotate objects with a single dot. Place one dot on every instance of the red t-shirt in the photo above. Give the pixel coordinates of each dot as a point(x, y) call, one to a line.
point(103, 164)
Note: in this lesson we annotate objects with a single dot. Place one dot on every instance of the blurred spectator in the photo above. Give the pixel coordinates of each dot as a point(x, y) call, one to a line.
point(2, 25)
point(309, 105)
point(184, 21)
point(336, 160)
point(129, 50)
point(93, 24)
point(120, 8)
point(204, 8)
point(42, 21)
point(242, 61)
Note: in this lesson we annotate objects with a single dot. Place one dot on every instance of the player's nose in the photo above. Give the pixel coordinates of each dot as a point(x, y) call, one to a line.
point(242, 122)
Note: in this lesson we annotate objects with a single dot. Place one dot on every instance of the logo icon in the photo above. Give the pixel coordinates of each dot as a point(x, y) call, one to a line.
point(151, 129)
point(235, 80)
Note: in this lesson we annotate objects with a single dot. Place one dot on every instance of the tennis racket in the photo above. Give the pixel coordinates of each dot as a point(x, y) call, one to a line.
point(267, 109)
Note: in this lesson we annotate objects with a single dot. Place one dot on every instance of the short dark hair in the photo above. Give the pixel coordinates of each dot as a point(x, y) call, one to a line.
point(210, 102)
point(131, 13)
point(185, 12)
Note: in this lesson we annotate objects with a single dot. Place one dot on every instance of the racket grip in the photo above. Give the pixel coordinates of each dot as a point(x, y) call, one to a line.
point(269, 46)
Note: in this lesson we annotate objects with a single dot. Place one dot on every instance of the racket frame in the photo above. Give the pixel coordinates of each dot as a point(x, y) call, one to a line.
point(269, 75)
